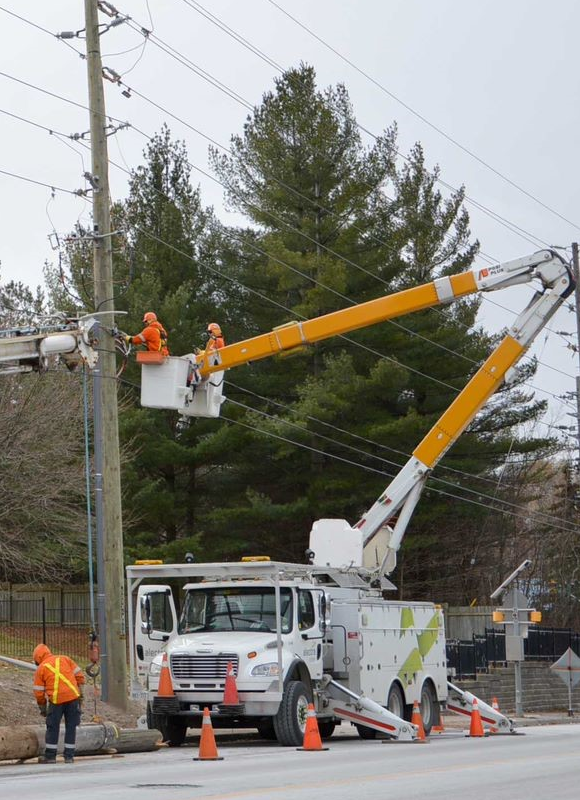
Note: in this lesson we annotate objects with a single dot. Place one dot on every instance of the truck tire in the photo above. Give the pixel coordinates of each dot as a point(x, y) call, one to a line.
point(173, 730)
point(366, 733)
point(429, 707)
point(266, 730)
point(326, 728)
point(290, 721)
point(396, 701)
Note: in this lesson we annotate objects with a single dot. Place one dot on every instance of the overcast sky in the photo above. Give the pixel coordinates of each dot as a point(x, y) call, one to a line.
point(500, 78)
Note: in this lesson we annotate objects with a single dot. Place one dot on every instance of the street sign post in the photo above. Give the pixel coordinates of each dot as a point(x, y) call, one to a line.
point(567, 667)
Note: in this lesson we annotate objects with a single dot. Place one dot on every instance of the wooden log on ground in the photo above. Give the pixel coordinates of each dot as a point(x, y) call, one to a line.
point(18, 743)
point(136, 740)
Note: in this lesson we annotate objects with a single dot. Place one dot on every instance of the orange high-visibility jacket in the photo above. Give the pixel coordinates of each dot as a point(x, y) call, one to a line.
point(153, 337)
point(57, 678)
point(215, 343)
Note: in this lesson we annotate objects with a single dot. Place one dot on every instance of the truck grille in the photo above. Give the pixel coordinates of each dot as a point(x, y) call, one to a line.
point(186, 667)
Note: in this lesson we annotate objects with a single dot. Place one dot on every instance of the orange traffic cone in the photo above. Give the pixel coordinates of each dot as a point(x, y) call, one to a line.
point(207, 746)
point(476, 726)
point(165, 683)
point(495, 706)
point(231, 702)
point(165, 701)
point(417, 720)
point(440, 727)
point(312, 740)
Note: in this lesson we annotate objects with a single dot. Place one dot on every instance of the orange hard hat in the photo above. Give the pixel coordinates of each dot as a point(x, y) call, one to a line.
point(149, 317)
point(41, 651)
point(214, 328)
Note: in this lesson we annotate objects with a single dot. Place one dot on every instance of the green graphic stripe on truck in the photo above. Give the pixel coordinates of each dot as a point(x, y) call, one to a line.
point(427, 639)
point(407, 620)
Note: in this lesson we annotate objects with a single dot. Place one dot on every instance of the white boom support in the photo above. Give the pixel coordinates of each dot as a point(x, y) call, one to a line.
point(461, 702)
point(360, 710)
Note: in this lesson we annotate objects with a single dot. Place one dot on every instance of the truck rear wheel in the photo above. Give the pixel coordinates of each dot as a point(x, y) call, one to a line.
point(326, 728)
point(429, 707)
point(173, 730)
point(290, 721)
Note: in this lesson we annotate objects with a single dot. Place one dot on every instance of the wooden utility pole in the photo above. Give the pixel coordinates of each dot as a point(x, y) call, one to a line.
point(108, 473)
point(576, 276)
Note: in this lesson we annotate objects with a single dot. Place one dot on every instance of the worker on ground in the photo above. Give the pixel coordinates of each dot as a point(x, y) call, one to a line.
point(215, 337)
point(58, 683)
point(153, 336)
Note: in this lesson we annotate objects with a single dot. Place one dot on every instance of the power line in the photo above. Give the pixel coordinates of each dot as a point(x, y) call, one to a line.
point(511, 226)
point(424, 119)
point(284, 263)
point(357, 437)
point(52, 186)
point(521, 515)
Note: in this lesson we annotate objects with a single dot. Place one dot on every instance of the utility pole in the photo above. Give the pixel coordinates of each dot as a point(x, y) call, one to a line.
point(575, 270)
point(106, 432)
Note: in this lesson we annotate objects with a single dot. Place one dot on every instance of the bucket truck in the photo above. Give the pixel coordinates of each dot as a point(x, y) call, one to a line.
point(323, 631)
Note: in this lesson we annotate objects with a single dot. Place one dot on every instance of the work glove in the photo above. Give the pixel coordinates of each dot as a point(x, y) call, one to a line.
point(81, 697)
point(43, 709)
point(127, 339)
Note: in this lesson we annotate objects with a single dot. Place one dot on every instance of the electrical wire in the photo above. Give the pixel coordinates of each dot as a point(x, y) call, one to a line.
point(284, 263)
point(525, 515)
point(432, 478)
point(52, 186)
point(256, 51)
point(424, 119)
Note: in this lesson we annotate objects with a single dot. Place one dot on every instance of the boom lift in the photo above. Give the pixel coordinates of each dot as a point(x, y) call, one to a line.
point(169, 384)
point(363, 635)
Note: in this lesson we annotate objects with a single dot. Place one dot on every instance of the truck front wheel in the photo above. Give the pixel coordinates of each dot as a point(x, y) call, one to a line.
point(172, 729)
point(290, 721)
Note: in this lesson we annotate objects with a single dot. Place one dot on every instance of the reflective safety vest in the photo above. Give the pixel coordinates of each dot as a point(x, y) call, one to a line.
point(57, 678)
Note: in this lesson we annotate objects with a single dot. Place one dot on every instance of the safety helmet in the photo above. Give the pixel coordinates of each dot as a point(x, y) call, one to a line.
point(150, 317)
point(41, 651)
point(214, 329)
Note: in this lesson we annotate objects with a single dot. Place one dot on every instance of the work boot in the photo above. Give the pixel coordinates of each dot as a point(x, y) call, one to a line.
point(69, 760)
point(69, 756)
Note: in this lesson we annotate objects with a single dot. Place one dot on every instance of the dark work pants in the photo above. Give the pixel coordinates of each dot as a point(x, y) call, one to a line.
point(71, 712)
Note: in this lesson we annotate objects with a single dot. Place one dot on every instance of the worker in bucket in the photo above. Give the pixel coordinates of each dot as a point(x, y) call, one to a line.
point(215, 339)
point(153, 336)
point(58, 688)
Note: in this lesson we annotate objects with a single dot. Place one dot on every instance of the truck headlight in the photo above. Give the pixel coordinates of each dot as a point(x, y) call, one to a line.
point(154, 668)
point(269, 670)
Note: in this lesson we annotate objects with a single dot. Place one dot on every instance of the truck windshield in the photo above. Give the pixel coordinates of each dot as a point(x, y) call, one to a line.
point(235, 609)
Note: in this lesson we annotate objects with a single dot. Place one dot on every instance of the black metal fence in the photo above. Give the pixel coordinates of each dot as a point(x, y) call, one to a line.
point(468, 657)
point(26, 623)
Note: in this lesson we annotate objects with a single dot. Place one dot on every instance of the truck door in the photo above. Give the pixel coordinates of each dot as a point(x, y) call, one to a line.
point(155, 621)
point(310, 633)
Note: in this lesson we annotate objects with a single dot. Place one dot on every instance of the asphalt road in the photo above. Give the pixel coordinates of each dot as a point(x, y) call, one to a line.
point(544, 763)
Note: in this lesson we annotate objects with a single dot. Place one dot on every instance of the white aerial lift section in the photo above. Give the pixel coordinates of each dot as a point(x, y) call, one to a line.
point(31, 349)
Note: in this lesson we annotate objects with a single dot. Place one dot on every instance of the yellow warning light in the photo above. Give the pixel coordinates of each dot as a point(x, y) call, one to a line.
point(535, 616)
point(148, 562)
point(255, 558)
point(498, 616)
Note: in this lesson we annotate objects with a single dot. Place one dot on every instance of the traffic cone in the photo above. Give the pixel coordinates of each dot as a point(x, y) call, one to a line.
point(495, 706)
point(476, 726)
point(165, 688)
point(312, 740)
point(417, 720)
point(440, 727)
point(231, 702)
point(207, 746)
point(165, 701)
